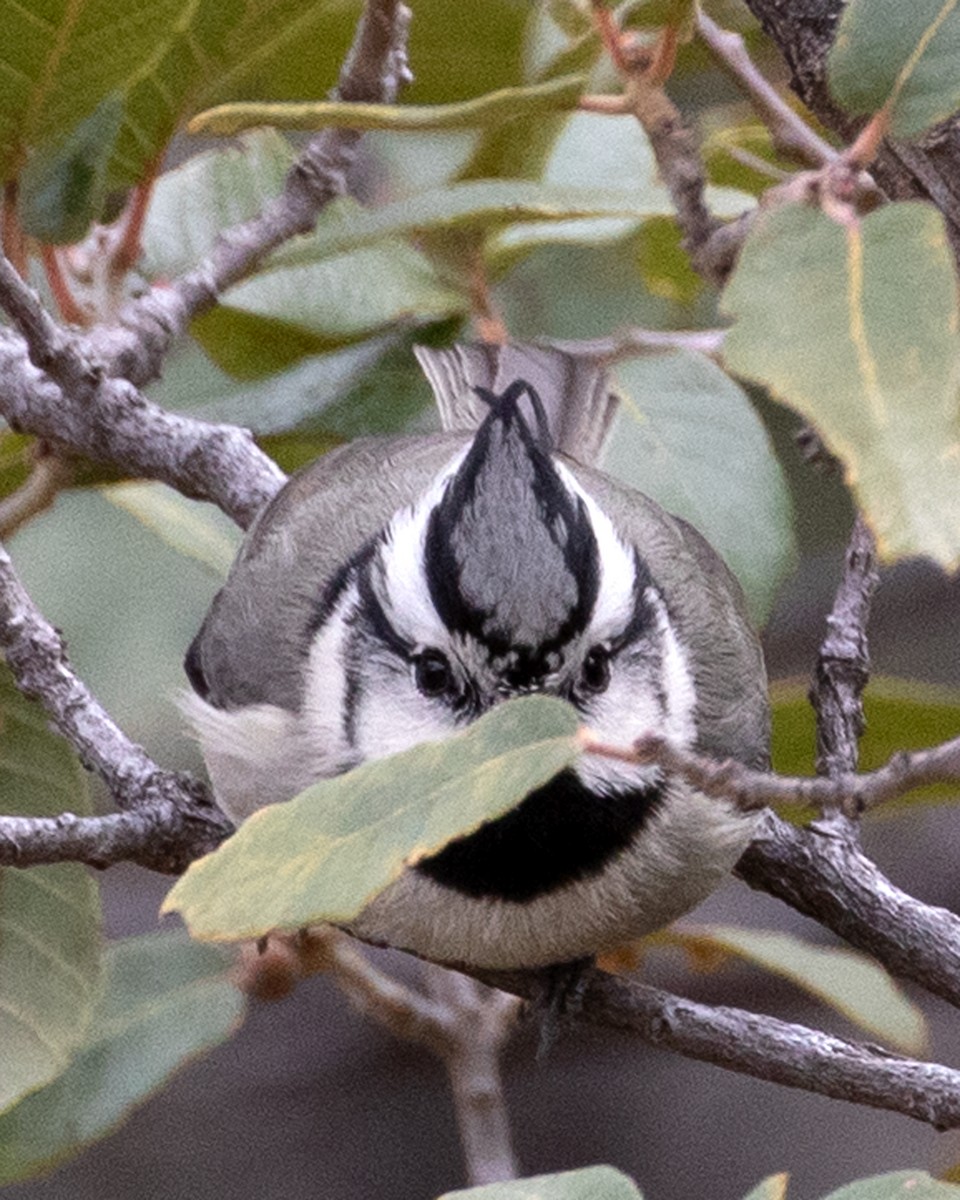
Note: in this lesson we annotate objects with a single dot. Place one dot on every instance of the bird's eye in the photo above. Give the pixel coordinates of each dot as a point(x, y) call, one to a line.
point(595, 673)
point(432, 673)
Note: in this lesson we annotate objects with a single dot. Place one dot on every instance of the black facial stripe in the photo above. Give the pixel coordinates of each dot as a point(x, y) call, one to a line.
point(336, 586)
point(643, 614)
point(559, 834)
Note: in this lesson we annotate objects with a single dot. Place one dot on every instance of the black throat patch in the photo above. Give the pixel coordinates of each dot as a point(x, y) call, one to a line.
point(559, 834)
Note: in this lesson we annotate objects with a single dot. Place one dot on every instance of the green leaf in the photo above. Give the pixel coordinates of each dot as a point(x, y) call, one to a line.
point(49, 916)
point(899, 56)
point(900, 1185)
point(901, 714)
point(687, 435)
point(463, 49)
point(63, 187)
point(193, 383)
point(856, 328)
point(849, 982)
point(58, 66)
point(196, 530)
point(589, 1183)
point(614, 149)
point(486, 111)
point(774, 1187)
point(315, 296)
point(295, 307)
point(192, 204)
point(166, 1001)
point(326, 854)
point(482, 205)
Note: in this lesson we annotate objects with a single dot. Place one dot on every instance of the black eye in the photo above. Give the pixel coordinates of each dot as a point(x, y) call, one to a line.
point(432, 673)
point(595, 673)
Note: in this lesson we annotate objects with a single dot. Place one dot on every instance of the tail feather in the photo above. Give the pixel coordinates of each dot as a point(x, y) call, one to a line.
point(575, 391)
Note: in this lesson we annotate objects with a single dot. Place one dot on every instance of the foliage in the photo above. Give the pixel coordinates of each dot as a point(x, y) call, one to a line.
point(486, 177)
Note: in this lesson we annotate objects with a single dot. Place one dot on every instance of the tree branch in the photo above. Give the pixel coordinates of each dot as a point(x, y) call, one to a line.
point(78, 410)
point(164, 835)
point(459, 1019)
point(374, 70)
point(764, 1047)
point(171, 809)
point(929, 168)
point(790, 133)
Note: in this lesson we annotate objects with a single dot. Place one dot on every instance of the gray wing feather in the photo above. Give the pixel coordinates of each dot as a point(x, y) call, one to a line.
point(575, 391)
point(253, 642)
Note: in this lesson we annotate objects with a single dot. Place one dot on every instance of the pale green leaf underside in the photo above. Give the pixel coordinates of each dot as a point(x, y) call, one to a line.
point(193, 529)
point(494, 108)
point(590, 1183)
point(326, 854)
point(687, 436)
point(49, 916)
point(165, 1001)
point(849, 982)
point(900, 55)
point(856, 328)
point(900, 1185)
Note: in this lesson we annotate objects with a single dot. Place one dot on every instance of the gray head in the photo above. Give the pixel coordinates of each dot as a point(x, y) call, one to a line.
point(506, 577)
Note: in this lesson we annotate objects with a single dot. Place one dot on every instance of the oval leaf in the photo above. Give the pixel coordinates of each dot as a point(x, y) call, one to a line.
point(63, 187)
point(326, 854)
point(899, 56)
point(197, 530)
point(687, 435)
point(49, 916)
point(166, 1001)
point(849, 982)
point(900, 1185)
point(856, 328)
point(589, 1183)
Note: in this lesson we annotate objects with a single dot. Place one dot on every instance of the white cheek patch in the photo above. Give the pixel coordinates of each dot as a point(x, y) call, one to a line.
point(678, 686)
point(401, 584)
point(615, 597)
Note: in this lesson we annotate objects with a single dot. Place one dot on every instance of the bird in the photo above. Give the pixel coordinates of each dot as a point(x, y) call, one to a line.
point(399, 587)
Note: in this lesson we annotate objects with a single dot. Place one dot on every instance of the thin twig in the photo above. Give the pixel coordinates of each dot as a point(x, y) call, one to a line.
point(751, 790)
point(843, 669)
point(458, 1018)
point(374, 70)
point(791, 134)
point(674, 146)
point(633, 341)
point(480, 1019)
point(48, 476)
